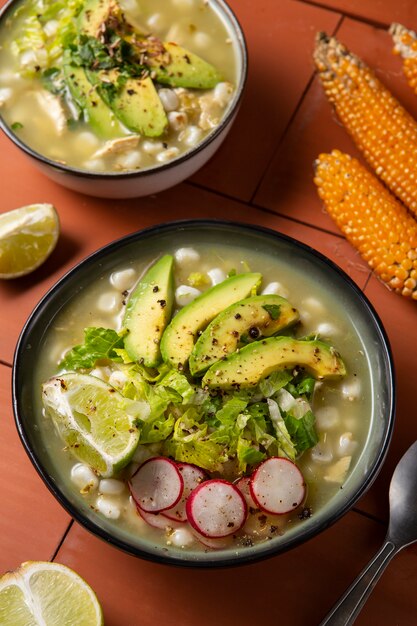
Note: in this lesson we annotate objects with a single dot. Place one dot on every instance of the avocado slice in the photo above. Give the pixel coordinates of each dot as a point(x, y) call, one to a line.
point(148, 312)
point(185, 69)
point(134, 101)
point(96, 113)
point(95, 13)
point(178, 339)
point(249, 365)
point(258, 316)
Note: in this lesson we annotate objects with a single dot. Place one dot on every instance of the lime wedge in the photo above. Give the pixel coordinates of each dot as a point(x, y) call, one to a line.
point(94, 419)
point(27, 237)
point(47, 594)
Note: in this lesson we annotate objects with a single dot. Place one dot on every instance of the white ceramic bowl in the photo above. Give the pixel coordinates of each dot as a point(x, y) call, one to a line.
point(144, 182)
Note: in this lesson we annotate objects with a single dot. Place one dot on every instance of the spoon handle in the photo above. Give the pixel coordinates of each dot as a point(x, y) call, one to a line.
point(350, 604)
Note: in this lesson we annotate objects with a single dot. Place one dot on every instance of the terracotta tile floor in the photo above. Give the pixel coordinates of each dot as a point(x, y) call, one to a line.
point(261, 175)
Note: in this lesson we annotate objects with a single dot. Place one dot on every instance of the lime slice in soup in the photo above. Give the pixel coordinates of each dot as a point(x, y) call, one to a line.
point(27, 237)
point(48, 594)
point(97, 423)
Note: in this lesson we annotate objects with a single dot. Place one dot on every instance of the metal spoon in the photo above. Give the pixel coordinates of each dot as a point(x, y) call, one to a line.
point(402, 531)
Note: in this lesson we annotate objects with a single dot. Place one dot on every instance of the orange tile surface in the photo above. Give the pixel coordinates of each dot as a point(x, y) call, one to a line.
point(288, 187)
point(31, 521)
point(261, 175)
point(378, 11)
point(297, 587)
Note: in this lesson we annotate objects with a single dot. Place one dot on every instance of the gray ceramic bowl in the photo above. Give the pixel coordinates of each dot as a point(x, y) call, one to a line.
point(361, 317)
point(151, 180)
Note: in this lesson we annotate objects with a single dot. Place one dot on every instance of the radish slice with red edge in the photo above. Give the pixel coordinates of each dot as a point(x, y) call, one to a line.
point(218, 543)
point(216, 508)
point(277, 486)
point(157, 485)
point(192, 476)
point(243, 484)
point(157, 520)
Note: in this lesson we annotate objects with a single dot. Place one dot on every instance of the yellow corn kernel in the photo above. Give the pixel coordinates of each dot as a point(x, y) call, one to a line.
point(360, 207)
point(379, 125)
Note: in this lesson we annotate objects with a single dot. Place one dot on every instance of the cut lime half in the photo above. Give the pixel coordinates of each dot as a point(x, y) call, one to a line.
point(27, 237)
point(40, 593)
point(96, 422)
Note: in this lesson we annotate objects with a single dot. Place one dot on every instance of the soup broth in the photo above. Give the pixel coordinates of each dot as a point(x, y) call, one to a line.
point(339, 406)
point(38, 105)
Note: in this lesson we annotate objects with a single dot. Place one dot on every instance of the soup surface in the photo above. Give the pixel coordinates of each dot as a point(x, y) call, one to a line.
point(102, 96)
point(329, 432)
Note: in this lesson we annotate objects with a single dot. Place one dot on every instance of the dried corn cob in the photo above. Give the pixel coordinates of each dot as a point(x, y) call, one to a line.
point(371, 218)
point(405, 41)
point(380, 126)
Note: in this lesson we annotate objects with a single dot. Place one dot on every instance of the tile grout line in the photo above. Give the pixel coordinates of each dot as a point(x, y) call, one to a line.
point(370, 516)
point(290, 121)
point(263, 209)
point(351, 16)
point(61, 541)
point(5, 363)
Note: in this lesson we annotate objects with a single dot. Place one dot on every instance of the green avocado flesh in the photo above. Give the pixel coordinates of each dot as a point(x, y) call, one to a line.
point(96, 113)
point(178, 339)
point(95, 13)
point(262, 315)
point(148, 311)
point(254, 362)
point(134, 101)
point(185, 69)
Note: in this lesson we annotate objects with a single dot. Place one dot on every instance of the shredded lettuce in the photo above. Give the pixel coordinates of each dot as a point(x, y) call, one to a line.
point(302, 431)
point(99, 343)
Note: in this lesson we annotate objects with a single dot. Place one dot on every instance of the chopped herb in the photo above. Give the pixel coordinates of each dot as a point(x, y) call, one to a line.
point(231, 273)
point(273, 310)
point(16, 126)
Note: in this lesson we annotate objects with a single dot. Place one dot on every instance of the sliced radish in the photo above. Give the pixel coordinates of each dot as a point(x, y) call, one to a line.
point(192, 476)
point(157, 485)
point(219, 543)
point(216, 508)
point(156, 520)
point(277, 486)
point(243, 484)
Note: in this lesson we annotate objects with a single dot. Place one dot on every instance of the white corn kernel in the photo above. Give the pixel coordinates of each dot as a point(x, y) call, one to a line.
point(191, 136)
point(167, 155)
point(123, 279)
point(202, 40)
point(216, 275)
point(88, 140)
point(156, 21)
point(107, 507)
point(129, 160)
point(5, 94)
point(314, 305)
point(108, 302)
point(177, 120)
point(181, 538)
point(351, 390)
point(111, 486)
point(152, 147)
point(84, 478)
point(327, 417)
point(184, 294)
point(222, 93)
point(169, 99)
point(95, 165)
point(325, 329)
point(347, 444)
point(276, 289)
point(117, 379)
point(186, 255)
point(321, 453)
point(50, 28)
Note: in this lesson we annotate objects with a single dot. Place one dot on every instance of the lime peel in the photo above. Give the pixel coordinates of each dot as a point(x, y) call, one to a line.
point(28, 235)
point(94, 419)
point(40, 593)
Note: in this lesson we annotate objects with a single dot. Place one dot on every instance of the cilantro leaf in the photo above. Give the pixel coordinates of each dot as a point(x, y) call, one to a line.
point(273, 310)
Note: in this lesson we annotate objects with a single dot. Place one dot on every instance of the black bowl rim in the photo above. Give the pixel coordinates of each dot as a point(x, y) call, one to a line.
point(244, 557)
point(152, 170)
